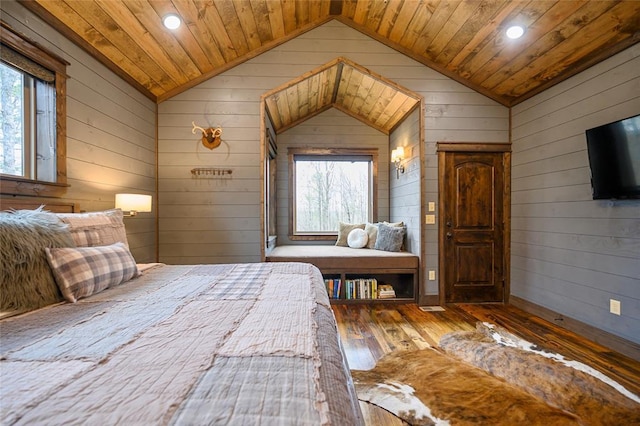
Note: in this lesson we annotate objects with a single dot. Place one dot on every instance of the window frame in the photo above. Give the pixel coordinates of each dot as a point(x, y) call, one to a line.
point(15, 185)
point(326, 154)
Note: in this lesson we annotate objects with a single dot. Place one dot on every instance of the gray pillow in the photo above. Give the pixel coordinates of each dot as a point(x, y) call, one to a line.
point(372, 232)
point(389, 238)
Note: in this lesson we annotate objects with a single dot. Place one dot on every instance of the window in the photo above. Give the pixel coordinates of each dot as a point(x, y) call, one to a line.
point(28, 132)
point(32, 118)
point(328, 187)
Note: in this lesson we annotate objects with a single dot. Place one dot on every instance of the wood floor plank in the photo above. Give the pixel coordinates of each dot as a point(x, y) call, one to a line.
point(371, 331)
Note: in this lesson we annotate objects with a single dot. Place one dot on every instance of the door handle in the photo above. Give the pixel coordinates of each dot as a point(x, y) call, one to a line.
point(449, 235)
point(448, 224)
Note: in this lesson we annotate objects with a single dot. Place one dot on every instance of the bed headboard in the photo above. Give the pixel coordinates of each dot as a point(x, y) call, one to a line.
point(52, 205)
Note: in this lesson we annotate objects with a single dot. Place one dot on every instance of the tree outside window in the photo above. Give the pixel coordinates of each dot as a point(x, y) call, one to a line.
point(32, 118)
point(331, 188)
point(28, 131)
point(11, 114)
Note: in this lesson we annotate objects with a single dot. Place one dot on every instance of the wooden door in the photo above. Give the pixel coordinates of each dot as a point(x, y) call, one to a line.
point(473, 208)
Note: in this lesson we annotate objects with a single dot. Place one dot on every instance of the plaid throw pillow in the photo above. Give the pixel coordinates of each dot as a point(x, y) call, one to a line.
point(83, 271)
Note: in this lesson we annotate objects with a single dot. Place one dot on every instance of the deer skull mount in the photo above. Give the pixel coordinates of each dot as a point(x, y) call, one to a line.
point(211, 136)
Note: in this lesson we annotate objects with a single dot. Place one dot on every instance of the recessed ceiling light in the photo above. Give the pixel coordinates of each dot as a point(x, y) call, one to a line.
point(171, 21)
point(515, 32)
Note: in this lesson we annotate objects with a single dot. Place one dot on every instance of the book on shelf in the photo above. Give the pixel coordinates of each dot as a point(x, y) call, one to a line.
point(361, 288)
point(333, 286)
point(386, 291)
point(358, 288)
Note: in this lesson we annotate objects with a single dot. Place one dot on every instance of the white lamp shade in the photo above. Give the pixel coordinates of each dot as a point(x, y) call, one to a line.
point(397, 154)
point(133, 202)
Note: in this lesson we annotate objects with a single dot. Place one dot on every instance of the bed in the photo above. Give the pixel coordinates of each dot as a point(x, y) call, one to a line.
point(242, 344)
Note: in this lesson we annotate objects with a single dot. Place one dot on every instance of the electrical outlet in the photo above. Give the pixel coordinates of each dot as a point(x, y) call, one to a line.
point(614, 306)
point(432, 275)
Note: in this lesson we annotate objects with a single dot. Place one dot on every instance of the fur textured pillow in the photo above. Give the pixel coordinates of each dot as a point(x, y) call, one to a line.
point(372, 232)
point(343, 232)
point(389, 238)
point(357, 238)
point(26, 281)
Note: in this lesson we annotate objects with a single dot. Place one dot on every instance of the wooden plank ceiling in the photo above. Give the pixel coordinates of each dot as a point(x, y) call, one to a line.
point(343, 85)
point(462, 39)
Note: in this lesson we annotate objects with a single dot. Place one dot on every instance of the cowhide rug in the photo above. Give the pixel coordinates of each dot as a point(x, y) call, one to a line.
point(491, 377)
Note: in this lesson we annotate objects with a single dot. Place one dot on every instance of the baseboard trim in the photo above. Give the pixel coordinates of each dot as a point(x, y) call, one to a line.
point(611, 341)
point(429, 300)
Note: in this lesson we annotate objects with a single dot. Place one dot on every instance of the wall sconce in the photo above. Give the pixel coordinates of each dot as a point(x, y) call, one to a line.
point(133, 203)
point(397, 155)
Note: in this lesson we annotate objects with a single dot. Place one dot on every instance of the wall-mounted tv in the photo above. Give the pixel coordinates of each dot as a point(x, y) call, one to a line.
point(614, 158)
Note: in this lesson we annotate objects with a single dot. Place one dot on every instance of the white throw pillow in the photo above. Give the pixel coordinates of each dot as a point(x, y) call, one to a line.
point(357, 238)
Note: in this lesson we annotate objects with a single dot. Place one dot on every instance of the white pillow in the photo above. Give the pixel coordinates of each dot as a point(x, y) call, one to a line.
point(357, 238)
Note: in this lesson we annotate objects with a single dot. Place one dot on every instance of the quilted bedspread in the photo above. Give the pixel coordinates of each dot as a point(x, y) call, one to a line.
point(237, 344)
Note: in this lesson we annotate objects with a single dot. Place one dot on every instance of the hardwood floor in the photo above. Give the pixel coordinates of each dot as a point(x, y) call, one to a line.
point(370, 331)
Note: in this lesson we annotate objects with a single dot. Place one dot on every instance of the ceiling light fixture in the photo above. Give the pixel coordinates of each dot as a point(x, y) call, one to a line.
point(171, 21)
point(515, 32)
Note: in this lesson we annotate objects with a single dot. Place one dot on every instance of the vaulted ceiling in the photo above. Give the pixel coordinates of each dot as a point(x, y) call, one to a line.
point(346, 86)
point(462, 39)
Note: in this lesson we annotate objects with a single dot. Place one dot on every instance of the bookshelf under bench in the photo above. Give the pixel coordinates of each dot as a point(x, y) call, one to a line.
point(400, 270)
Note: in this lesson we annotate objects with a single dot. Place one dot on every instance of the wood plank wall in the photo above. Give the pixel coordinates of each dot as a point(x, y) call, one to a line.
point(218, 221)
point(572, 254)
point(330, 129)
point(111, 132)
point(404, 189)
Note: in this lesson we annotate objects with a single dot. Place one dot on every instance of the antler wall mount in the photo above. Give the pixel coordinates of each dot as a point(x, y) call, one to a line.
point(211, 136)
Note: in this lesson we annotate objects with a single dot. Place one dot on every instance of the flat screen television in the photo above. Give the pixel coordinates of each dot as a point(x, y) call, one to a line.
point(614, 158)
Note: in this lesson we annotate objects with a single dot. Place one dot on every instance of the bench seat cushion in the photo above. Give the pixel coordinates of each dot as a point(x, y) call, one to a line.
point(327, 257)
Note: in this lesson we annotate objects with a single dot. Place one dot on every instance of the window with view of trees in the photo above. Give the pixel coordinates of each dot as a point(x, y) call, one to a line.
point(28, 131)
point(32, 118)
point(329, 188)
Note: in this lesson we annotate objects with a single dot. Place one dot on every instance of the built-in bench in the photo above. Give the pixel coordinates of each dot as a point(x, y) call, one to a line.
point(400, 269)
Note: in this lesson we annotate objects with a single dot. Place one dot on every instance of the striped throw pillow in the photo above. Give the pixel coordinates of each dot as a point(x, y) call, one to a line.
point(83, 271)
point(96, 228)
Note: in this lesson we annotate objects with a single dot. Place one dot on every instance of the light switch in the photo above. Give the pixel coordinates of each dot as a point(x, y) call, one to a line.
point(432, 275)
point(432, 206)
point(614, 306)
point(430, 219)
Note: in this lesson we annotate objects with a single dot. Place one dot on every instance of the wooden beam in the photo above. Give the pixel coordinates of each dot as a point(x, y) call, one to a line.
point(335, 8)
point(336, 83)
